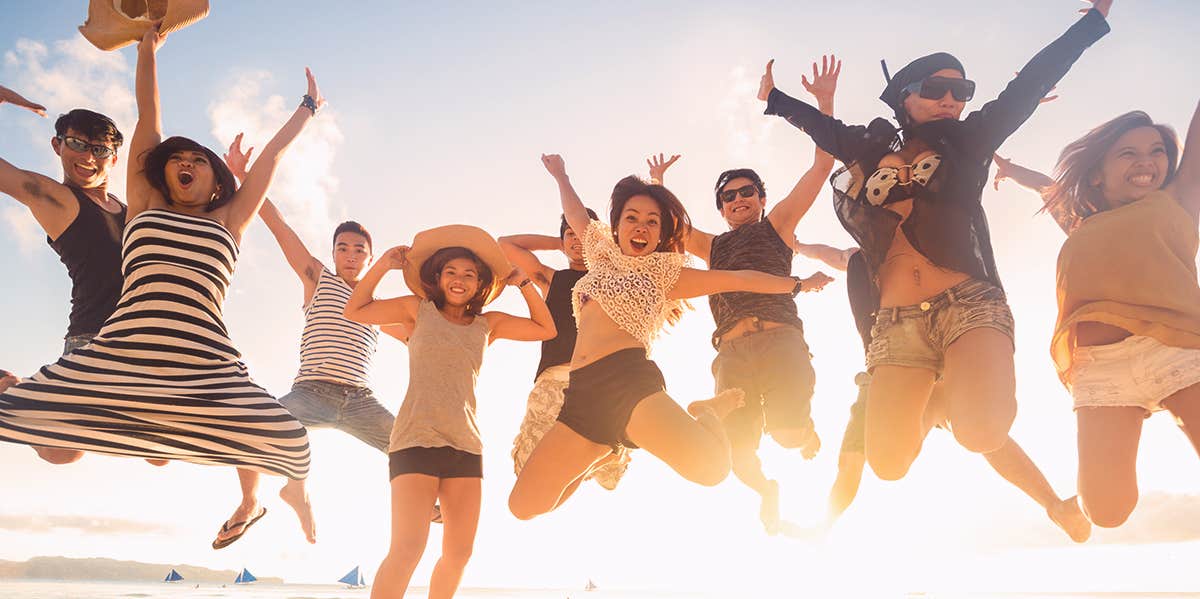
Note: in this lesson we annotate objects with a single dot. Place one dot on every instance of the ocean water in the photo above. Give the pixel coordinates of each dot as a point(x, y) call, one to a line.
point(124, 590)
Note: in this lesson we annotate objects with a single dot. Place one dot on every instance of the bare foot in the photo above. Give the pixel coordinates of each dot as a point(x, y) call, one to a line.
point(233, 528)
point(721, 405)
point(296, 495)
point(818, 532)
point(768, 512)
point(1067, 515)
point(158, 463)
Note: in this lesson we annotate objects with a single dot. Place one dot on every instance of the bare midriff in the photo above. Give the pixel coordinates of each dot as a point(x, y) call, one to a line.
point(748, 326)
point(599, 335)
point(1098, 333)
point(906, 277)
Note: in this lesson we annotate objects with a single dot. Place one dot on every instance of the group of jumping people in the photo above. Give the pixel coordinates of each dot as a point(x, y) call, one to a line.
point(148, 369)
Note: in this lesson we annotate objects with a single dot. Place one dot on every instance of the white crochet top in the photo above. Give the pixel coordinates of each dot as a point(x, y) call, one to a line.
point(632, 290)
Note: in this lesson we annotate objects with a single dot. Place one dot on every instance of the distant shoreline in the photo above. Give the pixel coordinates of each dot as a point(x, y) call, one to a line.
point(102, 569)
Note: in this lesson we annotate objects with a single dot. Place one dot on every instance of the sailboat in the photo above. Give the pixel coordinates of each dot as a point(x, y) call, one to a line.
point(245, 577)
point(591, 586)
point(173, 576)
point(354, 579)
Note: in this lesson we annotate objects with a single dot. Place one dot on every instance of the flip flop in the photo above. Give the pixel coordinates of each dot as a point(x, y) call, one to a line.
point(226, 527)
point(436, 517)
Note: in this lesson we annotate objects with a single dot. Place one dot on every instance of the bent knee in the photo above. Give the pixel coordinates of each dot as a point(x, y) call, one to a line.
point(522, 507)
point(1108, 510)
point(984, 439)
point(58, 456)
point(792, 438)
point(890, 465)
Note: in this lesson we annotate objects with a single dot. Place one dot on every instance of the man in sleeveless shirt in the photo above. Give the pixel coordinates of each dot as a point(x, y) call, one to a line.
point(82, 220)
point(331, 388)
point(759, 338)
point(554, 366)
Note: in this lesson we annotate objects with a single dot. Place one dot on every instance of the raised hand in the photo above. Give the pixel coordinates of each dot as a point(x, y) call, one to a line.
point(555, 165)
point(314, 92)
point(395, 258)
point(824, 82)
point(658, 166)
point(153, 40)
point(12, 97)
point(1003, 170)
point(236, 159)
point(1100, 5)
point(817, 282)
point(767, 83)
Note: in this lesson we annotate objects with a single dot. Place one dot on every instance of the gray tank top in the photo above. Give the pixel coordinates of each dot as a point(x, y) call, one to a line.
point(443, 363)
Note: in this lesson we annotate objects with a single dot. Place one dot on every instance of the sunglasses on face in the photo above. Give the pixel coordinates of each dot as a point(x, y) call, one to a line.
point(100, 151)
point(746, 191)
point(935, 88)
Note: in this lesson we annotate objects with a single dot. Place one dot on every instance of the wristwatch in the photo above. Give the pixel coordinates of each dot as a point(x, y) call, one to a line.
point(799, 286)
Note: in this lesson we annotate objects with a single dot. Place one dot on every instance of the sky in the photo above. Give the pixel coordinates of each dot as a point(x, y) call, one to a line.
point(438, 114)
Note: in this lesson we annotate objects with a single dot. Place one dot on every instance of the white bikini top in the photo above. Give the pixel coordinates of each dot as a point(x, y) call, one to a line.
point(881, 187)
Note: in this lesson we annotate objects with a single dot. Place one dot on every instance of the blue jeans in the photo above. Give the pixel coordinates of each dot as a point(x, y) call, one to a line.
point(75, 342)
point(355, 410)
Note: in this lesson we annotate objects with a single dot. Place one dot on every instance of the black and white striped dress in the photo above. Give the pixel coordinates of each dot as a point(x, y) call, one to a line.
point(161, 379)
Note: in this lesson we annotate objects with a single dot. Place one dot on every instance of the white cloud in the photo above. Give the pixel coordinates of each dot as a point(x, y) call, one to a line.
point(741, 111)
point(304, 186)
point(25, 230)
point(63, 75)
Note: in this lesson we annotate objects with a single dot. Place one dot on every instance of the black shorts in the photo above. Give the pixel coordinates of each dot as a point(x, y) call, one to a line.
point(600, 397)
point(442, 462)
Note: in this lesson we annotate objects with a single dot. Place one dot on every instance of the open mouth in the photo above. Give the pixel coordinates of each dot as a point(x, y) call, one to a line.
point(85, 170)
point(1142, 179)
point(740, 209)
point(638, 244)
point(186, 178)
point(456, 289)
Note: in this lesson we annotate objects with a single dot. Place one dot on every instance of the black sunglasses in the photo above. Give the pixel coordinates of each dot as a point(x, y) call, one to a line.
point(935, 88)
point(100, 151)
point(746, 191)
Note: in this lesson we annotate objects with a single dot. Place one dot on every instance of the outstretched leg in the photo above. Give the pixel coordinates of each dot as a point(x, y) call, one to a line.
point(295, 494)
point(559, 461)
point(246, 511)
point(1012, 463)
point(413, 495)
point(694, 446)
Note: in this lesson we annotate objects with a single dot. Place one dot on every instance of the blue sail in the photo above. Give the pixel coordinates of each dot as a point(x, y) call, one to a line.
point(173, 576)
point(245, 577)
point(353, 578)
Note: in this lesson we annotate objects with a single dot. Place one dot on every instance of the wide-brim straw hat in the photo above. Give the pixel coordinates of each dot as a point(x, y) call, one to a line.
point(113, 24)
point(483, 245)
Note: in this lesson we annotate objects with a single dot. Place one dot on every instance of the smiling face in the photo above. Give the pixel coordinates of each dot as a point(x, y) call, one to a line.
point(923, 110)
point(459, 281)
point(190, 178)
point(572, 246)
point(81, 168)
point(742, 210)
point(1134, 166)
point(639, 230)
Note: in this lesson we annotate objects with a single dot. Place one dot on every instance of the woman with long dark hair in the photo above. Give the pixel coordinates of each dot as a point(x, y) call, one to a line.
point(616, 397)
point(910, 198)
point(162, 380)
point(1127, 340)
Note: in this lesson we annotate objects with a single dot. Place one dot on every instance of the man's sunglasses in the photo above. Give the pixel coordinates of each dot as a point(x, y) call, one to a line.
point(935, 88)
point(100, 151)
point(728, 195)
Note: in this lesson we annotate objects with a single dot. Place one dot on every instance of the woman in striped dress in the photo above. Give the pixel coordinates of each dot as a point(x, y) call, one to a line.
point(162, 379)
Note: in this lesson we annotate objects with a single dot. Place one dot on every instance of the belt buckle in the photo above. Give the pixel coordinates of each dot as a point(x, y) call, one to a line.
point(926, 306)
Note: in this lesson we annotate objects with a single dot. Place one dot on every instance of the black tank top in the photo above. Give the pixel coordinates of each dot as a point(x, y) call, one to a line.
point(558, 350)
point(755, 246)
point(90, 248)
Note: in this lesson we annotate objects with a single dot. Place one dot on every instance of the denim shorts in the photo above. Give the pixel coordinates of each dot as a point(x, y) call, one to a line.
point(917, 336)
point(774, 369)
point(1137, 371)
point(348, 408)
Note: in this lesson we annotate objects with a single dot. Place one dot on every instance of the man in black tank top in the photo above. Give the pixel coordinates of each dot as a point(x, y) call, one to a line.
point(82, 220)
point(759, 337)
point(546, 398)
